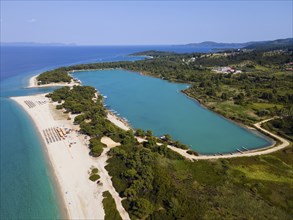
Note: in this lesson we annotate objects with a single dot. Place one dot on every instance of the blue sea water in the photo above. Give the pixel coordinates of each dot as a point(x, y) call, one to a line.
point(18, 60)
point(27, 189)
point(158, 105)
point(26, 185)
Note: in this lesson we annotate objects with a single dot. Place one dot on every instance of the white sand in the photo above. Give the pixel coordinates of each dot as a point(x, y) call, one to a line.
point(33, 83)
point(82, 197)
point(118, 121)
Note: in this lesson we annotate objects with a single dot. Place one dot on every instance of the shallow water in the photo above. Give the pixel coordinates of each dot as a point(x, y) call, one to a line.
point(26, 187)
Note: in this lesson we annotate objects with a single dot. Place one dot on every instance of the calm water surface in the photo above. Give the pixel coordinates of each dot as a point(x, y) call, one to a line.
point(158, 105)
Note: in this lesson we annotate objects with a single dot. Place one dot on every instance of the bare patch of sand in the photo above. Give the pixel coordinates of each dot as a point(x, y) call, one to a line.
point(118, 121)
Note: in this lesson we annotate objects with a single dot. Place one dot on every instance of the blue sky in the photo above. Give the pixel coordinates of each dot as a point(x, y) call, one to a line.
point(144, 22)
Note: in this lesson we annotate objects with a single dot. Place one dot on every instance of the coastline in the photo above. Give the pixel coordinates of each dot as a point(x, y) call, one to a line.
point(70, 165)
point(246, 127)
point(250, 153)
point(70, 161)
point(60, 202)
point(119, 122)
point(57, 187)
point(255, 152)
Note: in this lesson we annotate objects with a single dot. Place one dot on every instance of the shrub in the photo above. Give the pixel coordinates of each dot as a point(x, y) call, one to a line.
point(191, 152)
point(140, 133)
point(110, 207)
point(59, 106)
point(94, 177)
point(95, 170)
point(96, 147)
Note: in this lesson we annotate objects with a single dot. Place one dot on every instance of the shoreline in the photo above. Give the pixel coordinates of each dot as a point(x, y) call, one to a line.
point(256, 152)
point(53, 177)
point(80, 198)
point(238, 123)
point(275, 146)
point(119, 122)
point(48, 163)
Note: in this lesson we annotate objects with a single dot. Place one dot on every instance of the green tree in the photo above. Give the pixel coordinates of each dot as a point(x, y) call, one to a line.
point(141, 207)
point(168, 137)
point(149, 133)
point(224, 96)
point(140, 133)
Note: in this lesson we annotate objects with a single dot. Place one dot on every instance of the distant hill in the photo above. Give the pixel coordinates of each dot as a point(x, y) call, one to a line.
point(218, 45)
point(257, 45)
point(272, 45)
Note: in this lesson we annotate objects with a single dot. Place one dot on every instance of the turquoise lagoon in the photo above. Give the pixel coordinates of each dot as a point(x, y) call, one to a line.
point(159, 105)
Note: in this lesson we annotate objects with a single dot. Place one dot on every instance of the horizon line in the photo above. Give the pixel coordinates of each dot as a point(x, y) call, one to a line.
point(142, 44)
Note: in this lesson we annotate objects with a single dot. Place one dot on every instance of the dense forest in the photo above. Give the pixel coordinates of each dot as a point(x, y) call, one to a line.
point(53, 76)
point(90, 115)
point(158, 183)
point(160, 186)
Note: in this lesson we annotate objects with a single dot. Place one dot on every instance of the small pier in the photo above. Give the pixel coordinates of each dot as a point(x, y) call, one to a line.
point(239, 151)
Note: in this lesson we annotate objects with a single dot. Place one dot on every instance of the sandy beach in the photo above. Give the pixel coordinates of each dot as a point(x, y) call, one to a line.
point(118, 121)
point(70, 160)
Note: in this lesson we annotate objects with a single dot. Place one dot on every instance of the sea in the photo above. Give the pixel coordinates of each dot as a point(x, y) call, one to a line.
point(28, 189)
